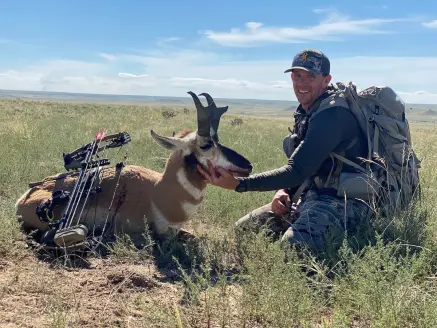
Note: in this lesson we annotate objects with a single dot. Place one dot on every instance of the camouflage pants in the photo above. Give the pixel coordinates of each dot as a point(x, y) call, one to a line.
point(318, 221)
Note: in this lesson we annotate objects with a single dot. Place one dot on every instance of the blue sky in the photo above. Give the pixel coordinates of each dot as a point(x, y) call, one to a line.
point(227, 48)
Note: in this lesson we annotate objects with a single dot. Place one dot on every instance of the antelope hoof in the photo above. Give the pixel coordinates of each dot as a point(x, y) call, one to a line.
point(185, 235)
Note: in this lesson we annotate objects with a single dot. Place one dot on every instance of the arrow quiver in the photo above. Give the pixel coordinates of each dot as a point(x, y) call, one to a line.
point(85, 163)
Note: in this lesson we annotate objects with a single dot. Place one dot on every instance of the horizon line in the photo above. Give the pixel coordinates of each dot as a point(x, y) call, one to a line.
point(138, 95)
point(179, 97)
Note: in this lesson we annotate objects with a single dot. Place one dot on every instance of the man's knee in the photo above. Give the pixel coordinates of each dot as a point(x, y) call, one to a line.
point(263, 217)
point(322, 222)
point(258, 216)
point(318, 240)
point(301, 238)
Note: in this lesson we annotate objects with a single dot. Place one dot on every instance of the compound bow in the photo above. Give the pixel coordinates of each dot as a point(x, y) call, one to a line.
point(81, 161)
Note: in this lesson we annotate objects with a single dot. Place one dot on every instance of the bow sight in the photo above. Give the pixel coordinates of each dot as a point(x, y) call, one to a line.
point(86, 163)
point(77, 159)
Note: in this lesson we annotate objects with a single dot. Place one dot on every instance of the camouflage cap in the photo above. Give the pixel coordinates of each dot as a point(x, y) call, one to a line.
point(311, 60)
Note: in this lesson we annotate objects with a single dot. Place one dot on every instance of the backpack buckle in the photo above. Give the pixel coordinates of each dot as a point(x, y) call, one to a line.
point(372, 118)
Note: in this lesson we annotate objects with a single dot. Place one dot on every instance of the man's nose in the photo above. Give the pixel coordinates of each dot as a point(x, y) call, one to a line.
point(303, 82)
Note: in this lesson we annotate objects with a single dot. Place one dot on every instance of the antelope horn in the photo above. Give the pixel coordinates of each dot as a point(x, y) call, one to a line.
point(203, 117)
point(215, 115)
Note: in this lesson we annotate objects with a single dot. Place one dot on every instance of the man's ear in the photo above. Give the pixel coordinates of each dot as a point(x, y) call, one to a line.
point(327, 79)
point(168, 142)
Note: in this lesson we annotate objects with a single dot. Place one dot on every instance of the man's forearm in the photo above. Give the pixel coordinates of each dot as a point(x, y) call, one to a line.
point(281, 178)
point(324, 134)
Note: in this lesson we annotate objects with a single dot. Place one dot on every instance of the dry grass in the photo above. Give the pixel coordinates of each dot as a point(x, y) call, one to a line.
point(224, 279)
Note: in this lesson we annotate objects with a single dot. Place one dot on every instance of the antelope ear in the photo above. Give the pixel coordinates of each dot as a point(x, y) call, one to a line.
point(168, 142)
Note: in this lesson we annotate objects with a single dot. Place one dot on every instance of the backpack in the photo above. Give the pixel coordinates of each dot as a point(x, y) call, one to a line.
point(392, 164)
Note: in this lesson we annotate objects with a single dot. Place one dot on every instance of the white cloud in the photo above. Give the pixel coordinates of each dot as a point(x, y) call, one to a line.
point(68, 67)
point(108, 57)
point(253, 25)
point(156, 58)
point(21, 80)
point(329, 29)
point(175, 73)
point(128, 75)
point(169, 39)
point(432, 24)
point(421, 92)
point(65, 72)
point(228, 85)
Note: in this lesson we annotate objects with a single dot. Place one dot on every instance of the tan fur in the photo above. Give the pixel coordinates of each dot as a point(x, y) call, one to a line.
point(183, 133)
point(165, 199)
point(140, 185)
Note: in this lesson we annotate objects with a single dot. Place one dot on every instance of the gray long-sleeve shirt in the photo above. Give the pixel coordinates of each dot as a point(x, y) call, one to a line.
point(330, 131)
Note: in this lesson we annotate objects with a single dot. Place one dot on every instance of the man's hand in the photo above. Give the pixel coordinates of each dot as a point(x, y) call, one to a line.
point(281, 202)
point(219, 177)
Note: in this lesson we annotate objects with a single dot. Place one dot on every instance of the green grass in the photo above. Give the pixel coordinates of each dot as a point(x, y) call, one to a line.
point(225, 278)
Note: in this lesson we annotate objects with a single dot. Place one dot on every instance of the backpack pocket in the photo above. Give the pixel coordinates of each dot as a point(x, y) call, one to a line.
point(357, 185)
point(391, 137)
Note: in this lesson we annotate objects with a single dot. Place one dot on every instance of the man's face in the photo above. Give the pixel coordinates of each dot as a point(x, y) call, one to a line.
point(308, 86)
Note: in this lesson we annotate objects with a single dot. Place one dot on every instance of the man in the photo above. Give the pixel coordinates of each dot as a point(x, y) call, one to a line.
point(323, 124)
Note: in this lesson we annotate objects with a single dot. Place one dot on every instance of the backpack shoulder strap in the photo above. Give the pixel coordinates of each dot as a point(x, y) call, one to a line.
point(334, 99)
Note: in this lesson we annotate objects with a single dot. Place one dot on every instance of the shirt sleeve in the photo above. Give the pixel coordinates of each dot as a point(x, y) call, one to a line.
point(325, 132)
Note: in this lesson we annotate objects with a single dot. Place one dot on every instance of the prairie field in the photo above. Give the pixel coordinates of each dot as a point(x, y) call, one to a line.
point(222, 278)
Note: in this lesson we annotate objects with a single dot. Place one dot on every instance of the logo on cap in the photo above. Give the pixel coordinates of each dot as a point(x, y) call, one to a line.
point(311, 60)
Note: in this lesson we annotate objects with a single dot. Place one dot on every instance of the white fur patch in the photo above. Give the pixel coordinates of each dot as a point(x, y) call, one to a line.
point(159, 219)
point(218, 160)
point(190, 136)
point(215, 157)
point(176, 226)
point(222, 162)
point(189, 208)
point(203, 161)
point(188, 139)
point(21, 198)
point(196, 193)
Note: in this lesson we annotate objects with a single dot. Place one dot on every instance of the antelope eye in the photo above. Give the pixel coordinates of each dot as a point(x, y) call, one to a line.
point(206, 146)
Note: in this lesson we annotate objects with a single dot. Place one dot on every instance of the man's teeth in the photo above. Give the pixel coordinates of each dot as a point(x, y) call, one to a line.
point(303, 91)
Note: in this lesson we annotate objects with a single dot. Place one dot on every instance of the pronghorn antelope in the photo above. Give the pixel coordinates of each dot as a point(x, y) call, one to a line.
point(150, 199)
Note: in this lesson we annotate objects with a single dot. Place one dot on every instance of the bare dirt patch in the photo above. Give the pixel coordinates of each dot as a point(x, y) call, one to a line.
point(107, 294)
